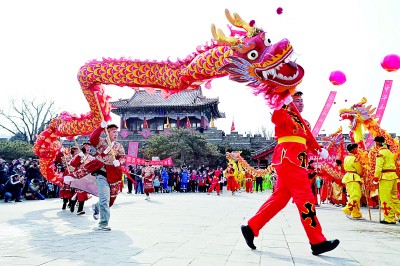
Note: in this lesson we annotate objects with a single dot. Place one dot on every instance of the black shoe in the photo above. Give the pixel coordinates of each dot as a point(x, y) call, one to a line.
point(325, 246)
point(385, 222)
point(73, 203)
point(18, 200)
point(248, 236)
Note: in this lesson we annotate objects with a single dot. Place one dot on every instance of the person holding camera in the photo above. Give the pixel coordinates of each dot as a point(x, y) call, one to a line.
point(13, 188)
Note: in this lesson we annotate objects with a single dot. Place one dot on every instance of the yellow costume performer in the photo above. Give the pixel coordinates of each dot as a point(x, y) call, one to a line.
point(352, 180)
point(385, 174)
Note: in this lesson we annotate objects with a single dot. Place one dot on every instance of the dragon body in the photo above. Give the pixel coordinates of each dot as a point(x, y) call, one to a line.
point(362, 117)
point(243, 165)
point(246, 56)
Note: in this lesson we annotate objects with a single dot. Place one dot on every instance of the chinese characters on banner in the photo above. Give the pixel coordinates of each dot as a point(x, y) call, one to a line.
point(133, 148)
point(331, 159)
point(387, 86)
point(141, 161)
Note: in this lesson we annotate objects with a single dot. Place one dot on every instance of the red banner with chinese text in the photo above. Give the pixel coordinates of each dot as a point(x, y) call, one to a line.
point(142, 161)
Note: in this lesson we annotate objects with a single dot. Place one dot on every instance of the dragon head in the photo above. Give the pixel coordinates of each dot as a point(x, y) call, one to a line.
point(357, 114)
point(334, 143)
point(265, 66)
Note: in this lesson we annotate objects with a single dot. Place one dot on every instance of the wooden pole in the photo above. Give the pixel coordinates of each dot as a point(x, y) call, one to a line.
point(320, 182)
point(106, 131)
point(367, 197)
point(65, 159)
point(379, 203)
point(76, 145)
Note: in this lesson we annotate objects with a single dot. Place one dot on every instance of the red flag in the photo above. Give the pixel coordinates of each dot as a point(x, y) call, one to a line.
point(125, 125)
point(233, 125)
point(188, 125)
point(145, 125)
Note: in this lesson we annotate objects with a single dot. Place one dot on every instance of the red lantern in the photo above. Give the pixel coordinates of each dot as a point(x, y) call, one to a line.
point(337, 77)
point(279, 10)
point(391, 62)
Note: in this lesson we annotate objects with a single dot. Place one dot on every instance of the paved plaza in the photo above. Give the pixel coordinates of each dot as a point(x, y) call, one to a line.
point(185, 229)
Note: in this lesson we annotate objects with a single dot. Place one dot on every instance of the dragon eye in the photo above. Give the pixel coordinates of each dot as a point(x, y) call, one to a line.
point(252, 55)
point(267, 42)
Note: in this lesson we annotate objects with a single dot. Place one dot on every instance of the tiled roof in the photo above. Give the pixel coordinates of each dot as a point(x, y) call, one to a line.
point(142, 98)
point(264, 150)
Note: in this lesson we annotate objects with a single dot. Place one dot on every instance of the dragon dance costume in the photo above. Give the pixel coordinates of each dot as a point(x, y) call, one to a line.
point(230, 177)
point(79, 162)
point(290, 163)
point(352, 180)
point(66, 191)
point(249, 182)
point(385, 172)
point(215, 183)
point(148, 177)
point(103, 162)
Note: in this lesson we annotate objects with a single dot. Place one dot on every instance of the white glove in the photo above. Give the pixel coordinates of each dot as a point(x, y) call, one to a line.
point(103, 124)
point(323, 153)
point(116, 163)
point(288, 100)
point(81, 154)
point(62, 149)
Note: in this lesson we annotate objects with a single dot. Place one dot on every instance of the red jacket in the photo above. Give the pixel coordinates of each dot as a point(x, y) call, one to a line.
point(287, 124)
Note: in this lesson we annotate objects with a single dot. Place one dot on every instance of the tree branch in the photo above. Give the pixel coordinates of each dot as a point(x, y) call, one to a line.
point(9, 130)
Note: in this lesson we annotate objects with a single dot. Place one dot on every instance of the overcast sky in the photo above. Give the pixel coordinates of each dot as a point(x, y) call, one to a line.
point(44, 43)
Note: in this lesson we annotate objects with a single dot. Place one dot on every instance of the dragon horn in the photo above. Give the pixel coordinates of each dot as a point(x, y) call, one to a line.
point(338, 131)
point(237, 21)
point(221, 38)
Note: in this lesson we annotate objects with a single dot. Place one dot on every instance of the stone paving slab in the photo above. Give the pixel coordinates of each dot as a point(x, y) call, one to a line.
point(185, 229)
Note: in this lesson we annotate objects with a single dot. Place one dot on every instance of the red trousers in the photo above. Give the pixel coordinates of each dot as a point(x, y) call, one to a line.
point(216, 186)
point(231, 184)
point(249, 185)
point(292, 183)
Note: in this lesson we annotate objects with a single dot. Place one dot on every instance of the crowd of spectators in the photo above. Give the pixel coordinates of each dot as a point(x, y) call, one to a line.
point(186, 179)
point(21, 178)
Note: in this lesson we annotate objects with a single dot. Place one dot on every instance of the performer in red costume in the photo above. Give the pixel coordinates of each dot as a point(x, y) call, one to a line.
point(290, 163)
point(78, 162)
point(107, 168)
point(230, 176)
point(312, 175)
point(215, 182)
point(249, 182)
point(66, 192)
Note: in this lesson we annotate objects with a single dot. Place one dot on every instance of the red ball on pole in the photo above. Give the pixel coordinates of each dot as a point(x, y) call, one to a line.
point(337, 77)
point(391, 62)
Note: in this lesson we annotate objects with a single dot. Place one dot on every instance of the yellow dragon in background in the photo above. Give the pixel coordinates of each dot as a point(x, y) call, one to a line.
point(362, 117)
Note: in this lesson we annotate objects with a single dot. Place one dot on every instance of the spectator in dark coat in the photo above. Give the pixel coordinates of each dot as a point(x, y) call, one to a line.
point(13, 188)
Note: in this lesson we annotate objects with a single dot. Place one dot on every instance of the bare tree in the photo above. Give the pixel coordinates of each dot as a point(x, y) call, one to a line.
point(27, 117)
point(267, 133)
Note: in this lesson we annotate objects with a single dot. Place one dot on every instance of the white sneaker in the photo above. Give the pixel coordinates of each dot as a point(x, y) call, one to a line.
point(95, 212)
point(102, 228)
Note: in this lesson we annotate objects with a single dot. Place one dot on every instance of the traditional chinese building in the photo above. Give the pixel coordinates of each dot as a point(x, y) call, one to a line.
point(156, 112)
point(263, 156)
point(153, 113)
